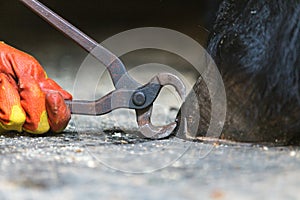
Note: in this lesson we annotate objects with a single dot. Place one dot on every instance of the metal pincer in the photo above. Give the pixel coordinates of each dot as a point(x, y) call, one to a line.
point(128, 93)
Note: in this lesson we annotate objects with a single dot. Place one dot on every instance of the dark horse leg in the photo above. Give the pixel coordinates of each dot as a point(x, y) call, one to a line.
point(256, 47)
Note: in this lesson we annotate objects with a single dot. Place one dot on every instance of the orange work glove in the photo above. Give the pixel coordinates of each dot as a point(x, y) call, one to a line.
point(29, 101)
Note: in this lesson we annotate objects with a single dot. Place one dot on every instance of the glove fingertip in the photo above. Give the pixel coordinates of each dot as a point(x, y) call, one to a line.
point(59, 113)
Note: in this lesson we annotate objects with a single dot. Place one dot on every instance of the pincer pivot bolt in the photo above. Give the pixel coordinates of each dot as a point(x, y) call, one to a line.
point(139, 98)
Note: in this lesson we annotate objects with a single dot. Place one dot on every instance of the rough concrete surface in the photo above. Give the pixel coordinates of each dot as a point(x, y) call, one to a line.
point(118, 166)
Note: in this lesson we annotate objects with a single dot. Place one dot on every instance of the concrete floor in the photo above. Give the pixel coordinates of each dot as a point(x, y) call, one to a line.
point(97, 165)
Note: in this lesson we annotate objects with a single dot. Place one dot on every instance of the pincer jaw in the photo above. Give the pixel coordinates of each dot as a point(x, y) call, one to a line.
point(146, 128)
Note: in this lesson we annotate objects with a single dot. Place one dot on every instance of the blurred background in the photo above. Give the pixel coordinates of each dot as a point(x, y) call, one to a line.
point(61, 57)
point(20, 26)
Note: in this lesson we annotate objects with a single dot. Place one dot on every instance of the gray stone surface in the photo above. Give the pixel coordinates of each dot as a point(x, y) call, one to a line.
point(93, 164)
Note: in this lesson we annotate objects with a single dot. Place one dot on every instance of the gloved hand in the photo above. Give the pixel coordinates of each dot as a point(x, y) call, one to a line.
point(29, 101)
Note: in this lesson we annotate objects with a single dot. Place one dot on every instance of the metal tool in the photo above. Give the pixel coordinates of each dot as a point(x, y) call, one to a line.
point(128, 93)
